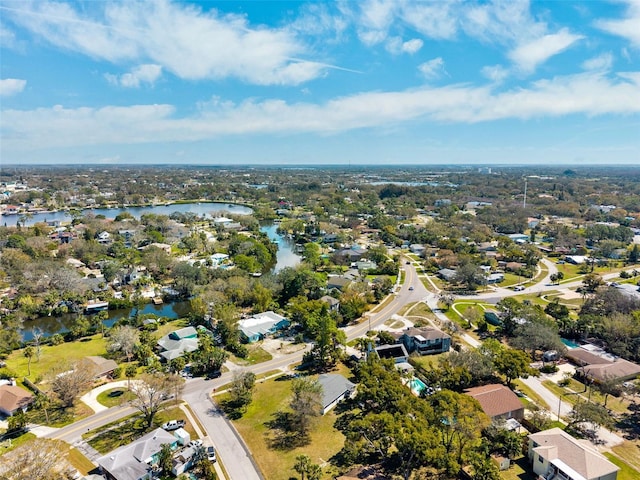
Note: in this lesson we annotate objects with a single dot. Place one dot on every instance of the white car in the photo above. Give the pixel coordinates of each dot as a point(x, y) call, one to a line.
point(211, 454)
point(518, 288)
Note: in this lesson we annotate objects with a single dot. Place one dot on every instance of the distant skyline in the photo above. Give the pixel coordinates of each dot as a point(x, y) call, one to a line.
point(315, 83)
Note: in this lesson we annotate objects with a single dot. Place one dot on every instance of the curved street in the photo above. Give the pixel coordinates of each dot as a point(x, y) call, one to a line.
point(234, 455)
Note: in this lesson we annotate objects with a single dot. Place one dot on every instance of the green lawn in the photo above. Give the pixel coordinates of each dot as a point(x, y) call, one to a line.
point(276, 464)
point(537, 399)
point(256, 355)
point(626, 472)
point(7, 446)
point(54, 356)
point(129, 429)
point(630, 451)
point(59, 417)
point(115, 396)
point(616, 404)
point(519, 470)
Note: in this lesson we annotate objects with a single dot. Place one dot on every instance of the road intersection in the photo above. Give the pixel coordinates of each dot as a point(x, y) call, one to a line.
point(237, 460)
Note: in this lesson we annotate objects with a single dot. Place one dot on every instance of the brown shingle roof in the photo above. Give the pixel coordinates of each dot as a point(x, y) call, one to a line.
point(12, 398)
point(495, 399)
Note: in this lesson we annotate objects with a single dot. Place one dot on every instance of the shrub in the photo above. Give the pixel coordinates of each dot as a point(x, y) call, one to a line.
point(549, 368)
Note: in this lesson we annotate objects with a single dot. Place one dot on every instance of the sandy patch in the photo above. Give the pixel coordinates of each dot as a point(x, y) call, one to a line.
point(279, 347)
point(569, 294)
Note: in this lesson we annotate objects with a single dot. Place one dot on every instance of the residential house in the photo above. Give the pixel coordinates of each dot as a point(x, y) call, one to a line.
point(101, 367)
point(417, 249)
point(104, 238)
point(599, 366)
point(519, 237)
point(447, 274)
point(556, 455)
point(176, 343)
point(335, 388)
point(134, 461)
point(354, 253)
point(425, 340)
point(261, 325)
point(497, 401)
point(363, 264)
point(396, 351)
point(14, 399)
point(334, 303)
point(494, 278)
point(337, 282)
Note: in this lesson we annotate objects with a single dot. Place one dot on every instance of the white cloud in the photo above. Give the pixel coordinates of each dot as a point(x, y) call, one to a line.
point(495, 73)
point(396, 46)
point(601, 62)
point(434, 20)
point(589, 94)
point(627, 27)
point(11, 86)
point(148, 73)
point(432, 69)
point(374, 19)
point(528, 56)
point(184, 39)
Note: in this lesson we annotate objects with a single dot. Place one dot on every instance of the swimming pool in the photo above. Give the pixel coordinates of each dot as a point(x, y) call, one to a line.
point(570, 343)
point(417, 385)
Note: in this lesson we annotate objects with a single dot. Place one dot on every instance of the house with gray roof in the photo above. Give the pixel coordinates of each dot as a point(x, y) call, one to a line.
point(176, 343)
point(134, 461)
point(555, 454)
point(335, 388)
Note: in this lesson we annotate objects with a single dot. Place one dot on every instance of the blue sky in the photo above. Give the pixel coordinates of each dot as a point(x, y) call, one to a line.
point(366, 82)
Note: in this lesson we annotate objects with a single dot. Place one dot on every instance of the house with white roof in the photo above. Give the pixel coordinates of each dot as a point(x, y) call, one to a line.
point(556, 455)
point(261, 325)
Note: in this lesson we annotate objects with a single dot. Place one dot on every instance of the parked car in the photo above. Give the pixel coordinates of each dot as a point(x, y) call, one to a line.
point(410, 288)
point(173, 425)
point(195, 443)
point(518, 288)
point(211, 454)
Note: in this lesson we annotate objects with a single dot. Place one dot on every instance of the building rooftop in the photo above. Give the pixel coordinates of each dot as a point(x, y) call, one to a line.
point(495, 399)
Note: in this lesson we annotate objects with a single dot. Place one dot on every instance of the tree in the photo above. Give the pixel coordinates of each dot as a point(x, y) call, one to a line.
point(634, 254)
point(69, 381)
point(38, 459)
point(587, 412)
point(447, 299)
point(609, 386)
point(130, 372)
point(556, 277)
point(241, 390)
point(17, 421)
point(42, 402)
point(303, 462)
point(37, 334)
point(165, 457)
point(306, 402)
point(149, 391)
point(123, 339)
point(328, 340)
point(28, 353)
point(591, 282)
point(514, 364)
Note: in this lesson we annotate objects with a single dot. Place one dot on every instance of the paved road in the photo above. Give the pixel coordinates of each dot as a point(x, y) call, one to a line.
point(234, 455)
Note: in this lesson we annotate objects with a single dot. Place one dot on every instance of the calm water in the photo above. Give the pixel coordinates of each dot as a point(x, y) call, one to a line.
point(51, 325)
point(206, 209)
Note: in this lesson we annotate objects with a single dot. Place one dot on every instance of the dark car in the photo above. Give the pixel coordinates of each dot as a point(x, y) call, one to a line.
point(215, 374)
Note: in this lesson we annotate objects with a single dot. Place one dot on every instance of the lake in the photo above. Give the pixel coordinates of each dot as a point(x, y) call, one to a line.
point(207, 209)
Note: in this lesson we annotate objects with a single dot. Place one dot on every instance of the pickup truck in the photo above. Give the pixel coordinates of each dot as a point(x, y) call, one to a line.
point(173, 425)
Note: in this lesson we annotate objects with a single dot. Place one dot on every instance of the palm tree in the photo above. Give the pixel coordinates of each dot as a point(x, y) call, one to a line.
point(303, 462)
point(42, 402)
point(29, 352)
